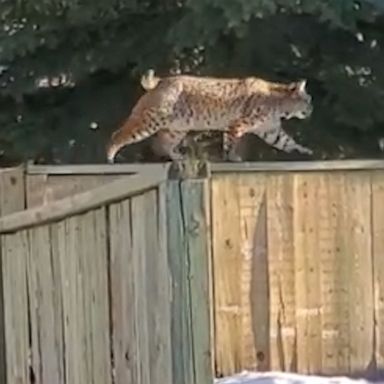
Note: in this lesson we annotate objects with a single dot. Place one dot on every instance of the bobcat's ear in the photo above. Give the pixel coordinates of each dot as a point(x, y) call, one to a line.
point(299, 87)
point(148, 80)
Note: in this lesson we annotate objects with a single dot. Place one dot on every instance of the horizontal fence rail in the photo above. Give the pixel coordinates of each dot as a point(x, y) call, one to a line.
point(298, 166)
point(81, 202)
point(96, 169)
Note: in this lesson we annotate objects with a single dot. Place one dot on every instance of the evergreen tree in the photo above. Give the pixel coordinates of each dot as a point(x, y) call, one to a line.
point(69, 70)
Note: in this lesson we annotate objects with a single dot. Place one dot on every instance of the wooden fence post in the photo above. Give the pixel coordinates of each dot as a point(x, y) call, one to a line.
point(189, 264)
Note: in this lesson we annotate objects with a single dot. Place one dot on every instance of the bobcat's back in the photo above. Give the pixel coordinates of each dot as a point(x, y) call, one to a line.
point(207, 103)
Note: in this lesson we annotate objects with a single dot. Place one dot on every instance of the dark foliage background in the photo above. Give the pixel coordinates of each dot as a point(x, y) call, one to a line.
point(70, 68)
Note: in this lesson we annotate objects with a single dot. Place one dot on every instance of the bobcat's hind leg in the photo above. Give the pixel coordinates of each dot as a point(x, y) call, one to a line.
point(152, 112)
point(166, 143)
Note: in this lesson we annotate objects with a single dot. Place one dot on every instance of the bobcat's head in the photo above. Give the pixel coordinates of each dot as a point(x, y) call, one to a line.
point(295, 101)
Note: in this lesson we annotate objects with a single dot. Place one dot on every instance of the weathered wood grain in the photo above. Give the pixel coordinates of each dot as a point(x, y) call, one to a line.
point(226, 241)
point(163, 314)
point(93, 263)
point(254, 281)
point(182, 344)
point(125, 354)
point(208, 210)
point(83, 265)
point(11, 200)
point(68, 255)
point(195, 222)
point(281, 271)
point(46, 326)
point(158, 300)
point(43, 189)
point(332, 264)
point(81, 202)
point(307, 276)
point(11, 190)
point(358, 241)
point(378, 264)
point(14, 252)
point(139, 252)
point(318, 313)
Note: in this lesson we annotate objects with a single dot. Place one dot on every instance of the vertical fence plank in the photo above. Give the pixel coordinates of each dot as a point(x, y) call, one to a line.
point(46, 326)
point(149, 214)
point(165, 285)
point(378, 260)
point(34, 292)
point(281, 272)
point(94, 268)
point(195, 222)
point(181, 337)
point(188, 261)
point(139, 251)
point(358, 241)
point(71, 293)
point(330, 219)
point(307, 277)
point(254, 282)
point(158, 301)
point(83, 264)
point(12, 199)
point(122, 294)
point(208, 215)
point(226, 242)
point(58, 282)
point(14, 252)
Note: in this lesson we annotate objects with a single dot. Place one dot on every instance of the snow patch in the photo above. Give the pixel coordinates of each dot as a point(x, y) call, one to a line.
point(247, 377)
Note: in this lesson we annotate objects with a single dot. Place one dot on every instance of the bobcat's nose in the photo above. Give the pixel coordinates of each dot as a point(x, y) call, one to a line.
point(304, 114)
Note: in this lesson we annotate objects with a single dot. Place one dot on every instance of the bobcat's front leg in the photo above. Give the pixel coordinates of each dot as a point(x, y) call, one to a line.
point(278, 138)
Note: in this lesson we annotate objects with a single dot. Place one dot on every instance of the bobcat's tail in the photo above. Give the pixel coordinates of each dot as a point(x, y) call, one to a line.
point(149, 80)
point(132, 131)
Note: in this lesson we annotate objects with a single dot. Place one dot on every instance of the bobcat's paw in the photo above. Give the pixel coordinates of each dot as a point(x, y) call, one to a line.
point(233, 157)
point(305, 151)
point(176, 156)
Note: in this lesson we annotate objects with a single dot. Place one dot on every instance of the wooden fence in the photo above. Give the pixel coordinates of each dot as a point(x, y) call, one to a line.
point(298, 261)
point(283, 260)
point(93, 288)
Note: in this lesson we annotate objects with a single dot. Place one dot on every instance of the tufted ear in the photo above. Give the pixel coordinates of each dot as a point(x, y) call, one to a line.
point(298, 87)
point(301, 85)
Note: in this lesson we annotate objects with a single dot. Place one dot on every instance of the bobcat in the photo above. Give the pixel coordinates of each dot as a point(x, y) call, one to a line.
point(176, 105)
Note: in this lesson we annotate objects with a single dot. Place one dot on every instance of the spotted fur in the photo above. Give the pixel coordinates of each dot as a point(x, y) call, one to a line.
point(176, 105)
